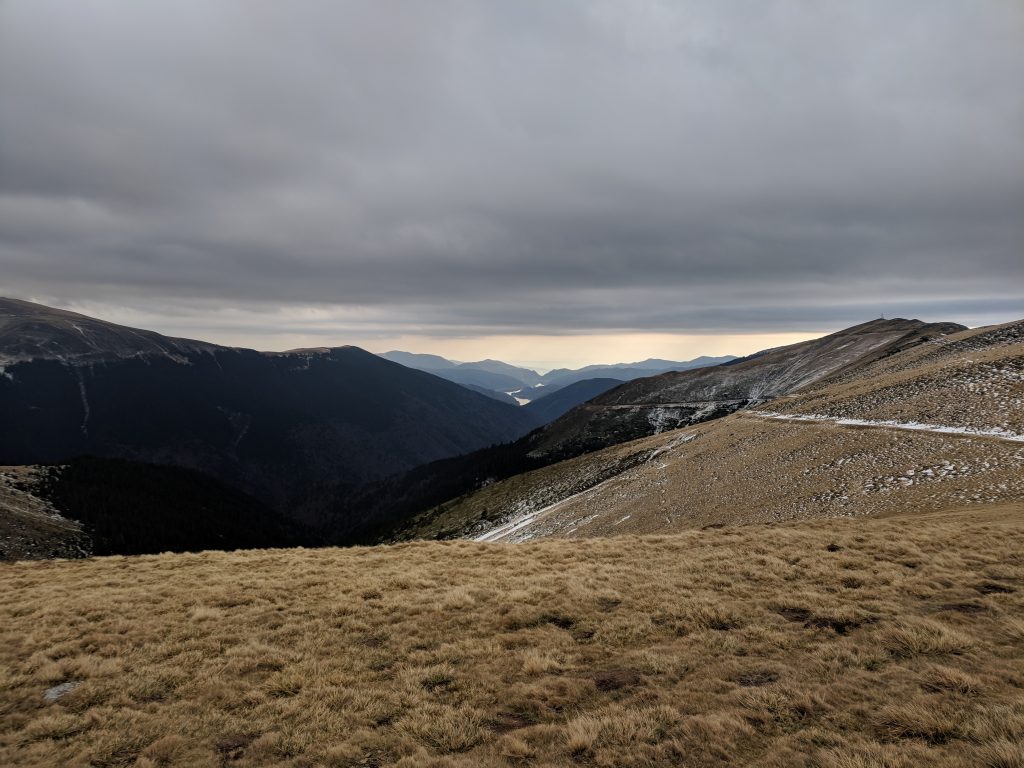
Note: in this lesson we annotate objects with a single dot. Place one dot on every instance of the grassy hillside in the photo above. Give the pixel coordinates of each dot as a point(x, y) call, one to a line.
point(742, 469)
point(937, 425)
point(653, 405)
point(626, 413)
point(972, 380)
point(873, 642)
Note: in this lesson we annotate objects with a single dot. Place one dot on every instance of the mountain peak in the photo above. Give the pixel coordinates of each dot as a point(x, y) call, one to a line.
point(30, 331)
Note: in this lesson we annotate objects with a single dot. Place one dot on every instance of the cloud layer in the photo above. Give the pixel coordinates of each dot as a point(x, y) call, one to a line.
point(528, 167)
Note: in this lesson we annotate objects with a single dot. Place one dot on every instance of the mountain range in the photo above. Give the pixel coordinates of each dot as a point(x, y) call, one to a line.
point(645, 407)
point(337, 445)
point(504, 377)
point(291, 429)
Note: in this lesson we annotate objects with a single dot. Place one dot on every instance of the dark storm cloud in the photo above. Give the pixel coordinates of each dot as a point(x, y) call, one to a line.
point(523, 166)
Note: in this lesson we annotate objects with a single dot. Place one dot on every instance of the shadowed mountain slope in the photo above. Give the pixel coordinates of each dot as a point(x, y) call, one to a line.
point(92, 506)
point(293, 428)
point(31, 331)
point(494, 394)
point(550, 406)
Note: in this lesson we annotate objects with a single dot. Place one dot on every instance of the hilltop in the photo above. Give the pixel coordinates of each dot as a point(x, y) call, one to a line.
point(30, 331)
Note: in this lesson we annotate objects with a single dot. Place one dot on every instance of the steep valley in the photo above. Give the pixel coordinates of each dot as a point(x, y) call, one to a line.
point(294, 430)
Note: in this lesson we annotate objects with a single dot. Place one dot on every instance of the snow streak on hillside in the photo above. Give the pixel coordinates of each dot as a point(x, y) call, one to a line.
point(996, 432)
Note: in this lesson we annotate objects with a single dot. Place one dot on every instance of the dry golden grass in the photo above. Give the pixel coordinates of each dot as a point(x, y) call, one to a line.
point(746, 469)
point(893, 642)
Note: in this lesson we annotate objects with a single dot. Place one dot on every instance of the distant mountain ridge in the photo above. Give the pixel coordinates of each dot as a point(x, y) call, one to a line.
point(504, 377)
point(562, 377)
point(489, 374)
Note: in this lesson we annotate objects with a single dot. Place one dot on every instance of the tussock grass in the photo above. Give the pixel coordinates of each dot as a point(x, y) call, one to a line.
point(900, 645)
point(926, 637)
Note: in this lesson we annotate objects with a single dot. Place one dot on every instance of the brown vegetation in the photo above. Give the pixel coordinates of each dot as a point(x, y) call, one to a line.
point(971, 379)
point(830, 643)
point(747, 468)
point(743, 469)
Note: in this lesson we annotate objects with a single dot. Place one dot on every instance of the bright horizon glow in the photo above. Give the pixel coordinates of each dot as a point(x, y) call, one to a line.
point(544, 353)
point(280, 328)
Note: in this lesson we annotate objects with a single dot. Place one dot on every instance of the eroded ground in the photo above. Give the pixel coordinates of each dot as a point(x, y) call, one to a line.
point(30, 527)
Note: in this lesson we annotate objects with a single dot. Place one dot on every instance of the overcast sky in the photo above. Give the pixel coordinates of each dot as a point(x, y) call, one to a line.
point(548, 182)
